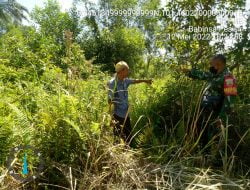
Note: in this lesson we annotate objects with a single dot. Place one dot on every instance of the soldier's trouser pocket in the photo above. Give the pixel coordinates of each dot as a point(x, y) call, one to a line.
point(212, 104)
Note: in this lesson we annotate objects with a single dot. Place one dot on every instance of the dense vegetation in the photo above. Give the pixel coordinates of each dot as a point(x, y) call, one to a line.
point(54, 97)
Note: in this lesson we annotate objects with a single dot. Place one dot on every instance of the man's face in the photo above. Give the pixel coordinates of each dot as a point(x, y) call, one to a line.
point(215, 63)
point(125, 72)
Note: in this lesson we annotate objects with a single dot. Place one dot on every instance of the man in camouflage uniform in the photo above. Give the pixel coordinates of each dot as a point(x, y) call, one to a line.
point(218, 99)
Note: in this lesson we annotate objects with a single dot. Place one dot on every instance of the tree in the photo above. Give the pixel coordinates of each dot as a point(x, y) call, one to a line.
point(109, 38)
point(10, 10)
point(190, 46)
point(53, 23)
point(126, 44)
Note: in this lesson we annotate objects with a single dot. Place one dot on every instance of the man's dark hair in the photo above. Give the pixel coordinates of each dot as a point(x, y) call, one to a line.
point(220, 57)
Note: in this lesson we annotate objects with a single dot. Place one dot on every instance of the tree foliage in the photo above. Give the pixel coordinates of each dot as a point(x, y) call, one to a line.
point(53, 96)
point(10, 10)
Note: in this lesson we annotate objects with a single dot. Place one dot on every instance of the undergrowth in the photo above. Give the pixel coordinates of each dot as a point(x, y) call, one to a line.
point(68, 120)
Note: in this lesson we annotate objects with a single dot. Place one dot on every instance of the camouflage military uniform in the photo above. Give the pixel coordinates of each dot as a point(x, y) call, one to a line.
point(218, 99)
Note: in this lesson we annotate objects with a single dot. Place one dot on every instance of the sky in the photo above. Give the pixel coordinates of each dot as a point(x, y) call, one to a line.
point(66, 4)
point(30, 4)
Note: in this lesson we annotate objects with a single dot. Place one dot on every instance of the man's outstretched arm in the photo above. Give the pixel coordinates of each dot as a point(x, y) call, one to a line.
point(197, 74)
point(136, 81)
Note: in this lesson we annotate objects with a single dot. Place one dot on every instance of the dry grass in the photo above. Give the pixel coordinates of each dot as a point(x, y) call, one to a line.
point(111, 166)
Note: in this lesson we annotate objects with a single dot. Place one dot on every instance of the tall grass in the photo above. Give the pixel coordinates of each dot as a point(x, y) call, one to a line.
point(68, 120)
